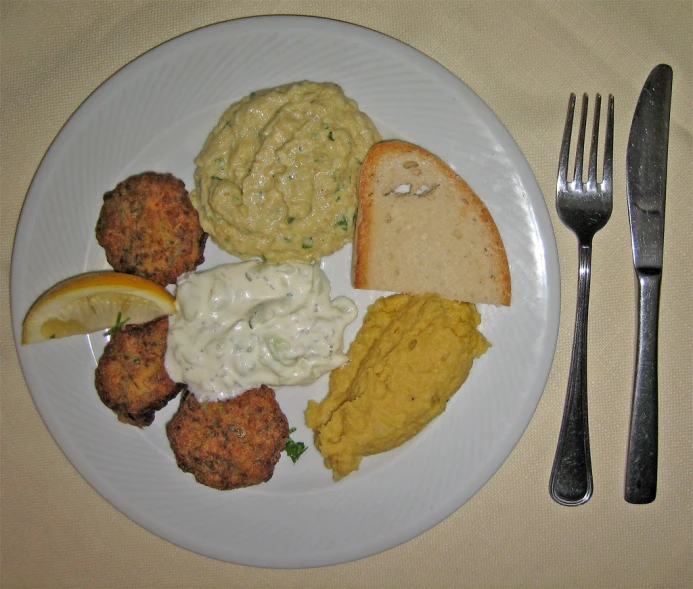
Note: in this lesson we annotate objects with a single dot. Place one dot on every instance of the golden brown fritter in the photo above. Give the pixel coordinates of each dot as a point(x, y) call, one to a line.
point(131, 378)
point(149, 227)
point(229, 444)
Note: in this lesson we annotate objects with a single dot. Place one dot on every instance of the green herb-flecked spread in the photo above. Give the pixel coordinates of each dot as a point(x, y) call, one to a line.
point(267, 175)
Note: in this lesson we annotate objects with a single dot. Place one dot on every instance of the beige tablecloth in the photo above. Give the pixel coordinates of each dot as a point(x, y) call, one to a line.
point(523, 59)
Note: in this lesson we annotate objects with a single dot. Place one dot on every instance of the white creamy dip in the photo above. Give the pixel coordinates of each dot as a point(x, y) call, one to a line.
point(241, 325)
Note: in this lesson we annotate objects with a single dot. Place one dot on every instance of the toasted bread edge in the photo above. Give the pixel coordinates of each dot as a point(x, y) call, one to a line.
point(392, 148)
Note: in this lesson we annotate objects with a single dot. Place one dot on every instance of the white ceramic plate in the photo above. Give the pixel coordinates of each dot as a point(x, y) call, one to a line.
point(155, 114)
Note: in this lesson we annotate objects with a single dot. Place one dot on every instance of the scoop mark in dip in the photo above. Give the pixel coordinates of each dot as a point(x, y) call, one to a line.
point(241, 325)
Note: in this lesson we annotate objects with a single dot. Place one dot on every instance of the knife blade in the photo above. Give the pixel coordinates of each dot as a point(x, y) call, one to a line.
point(646, 179)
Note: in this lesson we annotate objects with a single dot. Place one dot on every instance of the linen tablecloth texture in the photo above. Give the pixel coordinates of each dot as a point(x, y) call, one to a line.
point(522, 59)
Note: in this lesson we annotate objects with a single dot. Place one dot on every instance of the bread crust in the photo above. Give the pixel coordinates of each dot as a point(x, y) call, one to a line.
point(377, 163)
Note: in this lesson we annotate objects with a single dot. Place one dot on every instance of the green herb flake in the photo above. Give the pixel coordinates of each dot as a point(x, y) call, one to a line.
point(118, 324)
point(52, 336)
point(307, 243)
point(343, 223)
point(216, 178)
point(330, 136)
point(294, 449)
point(290, 220)
point(339, 198)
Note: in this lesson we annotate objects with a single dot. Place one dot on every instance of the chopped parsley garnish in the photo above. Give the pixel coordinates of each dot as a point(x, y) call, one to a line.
point(118, 324)
point(330, 136)
point(343, 223)
point(216, 178)
point(294, 449)
point(307, 243)
point(290, 220)
point(52, 336)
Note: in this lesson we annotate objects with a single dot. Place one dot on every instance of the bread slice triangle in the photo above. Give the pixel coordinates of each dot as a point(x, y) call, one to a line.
point(420, 228)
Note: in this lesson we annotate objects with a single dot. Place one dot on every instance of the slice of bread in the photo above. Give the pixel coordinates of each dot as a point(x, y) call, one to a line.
point(420, 228)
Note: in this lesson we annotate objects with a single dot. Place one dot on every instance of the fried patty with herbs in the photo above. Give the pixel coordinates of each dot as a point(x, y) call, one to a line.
point(149, 227)
point(229, 444)
point(131, 378)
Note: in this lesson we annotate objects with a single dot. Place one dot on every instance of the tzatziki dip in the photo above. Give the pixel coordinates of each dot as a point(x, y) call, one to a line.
point(238, 326)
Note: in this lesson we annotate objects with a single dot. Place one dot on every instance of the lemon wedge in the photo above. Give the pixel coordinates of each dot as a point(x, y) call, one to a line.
point(93, 301)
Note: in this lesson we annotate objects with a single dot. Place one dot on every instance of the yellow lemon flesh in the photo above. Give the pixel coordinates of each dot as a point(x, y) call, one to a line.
point(93, 301)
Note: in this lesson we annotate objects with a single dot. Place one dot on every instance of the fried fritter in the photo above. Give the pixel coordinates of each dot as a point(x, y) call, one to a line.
point(149, 227)
point(229, 444)
point(131, 378)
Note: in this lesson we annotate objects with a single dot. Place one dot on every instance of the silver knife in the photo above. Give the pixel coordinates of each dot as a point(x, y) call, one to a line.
point(646, 181)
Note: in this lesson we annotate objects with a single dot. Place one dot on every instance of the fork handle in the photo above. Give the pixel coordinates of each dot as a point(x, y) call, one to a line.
point(571, 474)
point(641, 468)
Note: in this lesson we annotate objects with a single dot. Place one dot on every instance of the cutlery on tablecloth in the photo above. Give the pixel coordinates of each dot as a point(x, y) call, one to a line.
point(646, 181)
point(584, 208)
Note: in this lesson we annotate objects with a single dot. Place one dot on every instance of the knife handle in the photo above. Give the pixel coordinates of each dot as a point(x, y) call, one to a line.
point(571, 475)
point(641, 468)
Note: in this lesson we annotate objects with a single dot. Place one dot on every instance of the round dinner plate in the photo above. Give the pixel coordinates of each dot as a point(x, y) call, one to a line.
point(154, 114)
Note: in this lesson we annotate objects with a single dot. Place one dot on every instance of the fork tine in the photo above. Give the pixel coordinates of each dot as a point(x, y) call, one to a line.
point(592, 168)
point(565, 146)
point(579, 154)
point(608, 176)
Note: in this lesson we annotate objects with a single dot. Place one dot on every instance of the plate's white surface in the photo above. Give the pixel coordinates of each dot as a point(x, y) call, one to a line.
point(155, 114)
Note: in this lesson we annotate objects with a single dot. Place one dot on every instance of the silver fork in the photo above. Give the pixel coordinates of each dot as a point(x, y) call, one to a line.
point(584, 209)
